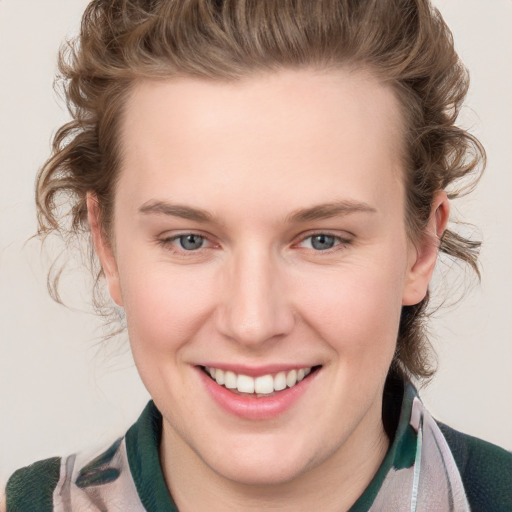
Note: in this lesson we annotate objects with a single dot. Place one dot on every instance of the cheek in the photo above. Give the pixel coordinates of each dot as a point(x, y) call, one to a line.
point(356, 309)
point(165, 306)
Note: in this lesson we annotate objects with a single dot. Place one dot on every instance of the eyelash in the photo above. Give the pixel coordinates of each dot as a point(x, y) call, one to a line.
point(168, 243)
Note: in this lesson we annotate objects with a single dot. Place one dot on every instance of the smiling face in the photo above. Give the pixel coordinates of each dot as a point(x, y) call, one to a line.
point(259, 230)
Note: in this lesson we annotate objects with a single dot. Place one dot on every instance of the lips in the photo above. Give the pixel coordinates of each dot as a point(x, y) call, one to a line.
point(262, 395)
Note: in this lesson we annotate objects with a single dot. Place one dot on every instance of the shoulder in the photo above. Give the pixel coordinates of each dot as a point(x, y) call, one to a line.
point(108, 476)
point(486, 470)
point(31, 488)
point(75, 482)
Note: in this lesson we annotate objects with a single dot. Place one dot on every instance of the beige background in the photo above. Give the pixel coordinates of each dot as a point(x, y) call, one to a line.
point(58, 395)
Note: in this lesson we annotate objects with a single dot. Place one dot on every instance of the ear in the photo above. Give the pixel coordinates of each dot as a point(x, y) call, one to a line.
point(103, 249)
point(423, 254)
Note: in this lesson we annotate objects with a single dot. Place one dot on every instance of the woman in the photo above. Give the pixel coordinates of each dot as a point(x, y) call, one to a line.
point(265, 187)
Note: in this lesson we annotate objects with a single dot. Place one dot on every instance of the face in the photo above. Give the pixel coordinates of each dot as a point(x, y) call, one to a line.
point(259, 237)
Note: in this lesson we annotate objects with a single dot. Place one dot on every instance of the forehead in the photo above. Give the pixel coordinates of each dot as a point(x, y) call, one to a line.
point(289, 130)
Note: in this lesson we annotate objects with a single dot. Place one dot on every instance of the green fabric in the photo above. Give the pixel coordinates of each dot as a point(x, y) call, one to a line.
point(142, 444)
point(486, 471)
point(400, 454)
point(30, 489)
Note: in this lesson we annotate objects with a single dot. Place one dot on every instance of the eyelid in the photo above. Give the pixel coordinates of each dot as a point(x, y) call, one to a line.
point(345, 236)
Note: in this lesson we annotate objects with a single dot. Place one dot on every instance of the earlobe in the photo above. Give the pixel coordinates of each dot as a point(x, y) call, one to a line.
point(423, 254)
point(103, 249)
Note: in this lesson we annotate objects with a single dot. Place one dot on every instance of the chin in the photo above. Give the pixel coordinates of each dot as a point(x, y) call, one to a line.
point(264, 467)
point(256, 475)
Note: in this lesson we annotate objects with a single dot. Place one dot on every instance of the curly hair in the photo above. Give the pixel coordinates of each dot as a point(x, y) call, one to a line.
point(404, 43)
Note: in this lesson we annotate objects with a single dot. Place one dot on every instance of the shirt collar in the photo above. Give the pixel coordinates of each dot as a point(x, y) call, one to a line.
point(395, 479)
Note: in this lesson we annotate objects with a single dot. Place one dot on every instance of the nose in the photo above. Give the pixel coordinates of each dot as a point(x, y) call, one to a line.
point(254, 308)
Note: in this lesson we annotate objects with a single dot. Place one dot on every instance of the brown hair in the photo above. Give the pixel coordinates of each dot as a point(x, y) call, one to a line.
point(405, 43)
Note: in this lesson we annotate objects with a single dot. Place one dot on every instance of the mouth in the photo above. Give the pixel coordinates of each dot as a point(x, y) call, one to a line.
point(261, 386)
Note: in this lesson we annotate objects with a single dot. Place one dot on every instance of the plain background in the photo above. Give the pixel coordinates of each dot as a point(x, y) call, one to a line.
point(58, 394)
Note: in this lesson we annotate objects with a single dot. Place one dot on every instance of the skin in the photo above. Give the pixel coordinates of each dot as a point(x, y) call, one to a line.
point(252, 154)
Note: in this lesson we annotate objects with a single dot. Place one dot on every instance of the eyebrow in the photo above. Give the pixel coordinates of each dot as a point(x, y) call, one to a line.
point(176, 210)
point(317, 212)
point(329, 210)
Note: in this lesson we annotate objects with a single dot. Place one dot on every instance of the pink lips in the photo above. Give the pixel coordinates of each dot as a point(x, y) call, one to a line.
point(252, 407)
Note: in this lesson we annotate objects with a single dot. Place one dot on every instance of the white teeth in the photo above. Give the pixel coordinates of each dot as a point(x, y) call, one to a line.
point(219, 376)
point(262, 385)
point(291, 378)
point(230, 380)
point(245, 384)
point(280, 381)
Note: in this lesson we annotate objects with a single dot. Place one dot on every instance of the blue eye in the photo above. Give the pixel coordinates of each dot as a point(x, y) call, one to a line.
point(191, 242)
point(319, 242)
point(323, 242)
